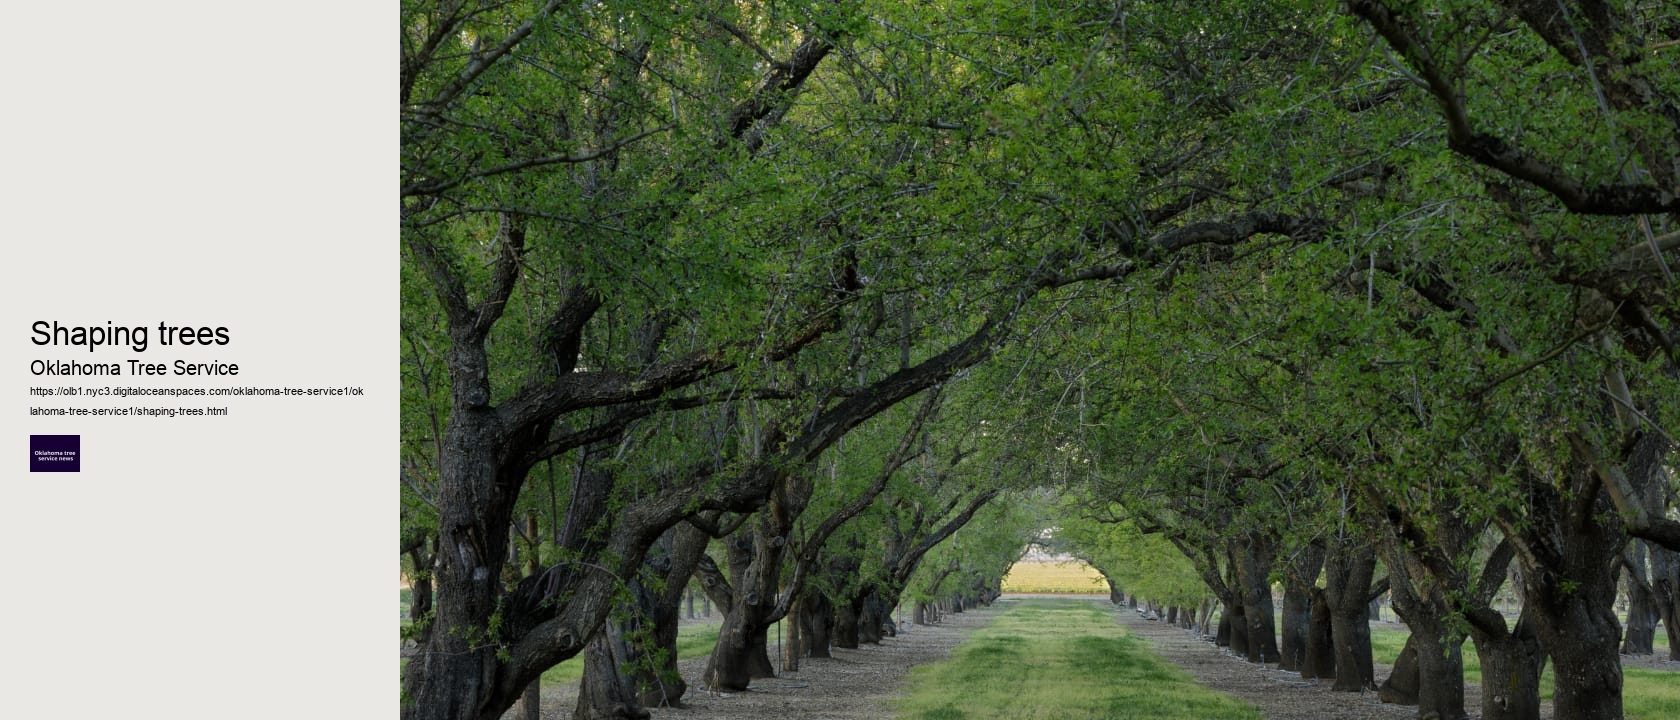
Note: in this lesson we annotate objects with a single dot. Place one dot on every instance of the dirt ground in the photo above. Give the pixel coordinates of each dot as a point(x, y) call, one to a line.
point(860, 684)
point(1280, 695)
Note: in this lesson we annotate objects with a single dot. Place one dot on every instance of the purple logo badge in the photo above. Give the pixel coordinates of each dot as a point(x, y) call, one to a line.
point(55, 453)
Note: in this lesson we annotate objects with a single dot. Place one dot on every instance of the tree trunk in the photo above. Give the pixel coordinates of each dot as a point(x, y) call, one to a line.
point(919, 615)
point(1569, 588)
point(871, 618)
point(1433, 677)
point(1236, 614)
point(1350, 631)
point(671, 562)
point(1578, 627)
point(658, 681)
point(742, 653)
point(1347, 589)
point(1297, 605)
point(609, 693)
point(816, 620)
point(457, 673)
point(1642, 613)
point(1440, 675)
point(1511, 667)
point(450, 677)
point(1421, 598)
point(643, 643)
point(845, 626)
point(1319, 660)
point(1401, 687)
point(420, 586)
point(1297, 625)
point(1665, 584)
point(1255, 569)
point(790, 654)
point(529, 706)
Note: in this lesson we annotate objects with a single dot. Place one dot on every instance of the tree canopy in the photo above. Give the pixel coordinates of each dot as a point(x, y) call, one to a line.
point(1230, 293)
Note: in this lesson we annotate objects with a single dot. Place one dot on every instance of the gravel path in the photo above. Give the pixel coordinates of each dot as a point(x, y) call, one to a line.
point(1280, 694)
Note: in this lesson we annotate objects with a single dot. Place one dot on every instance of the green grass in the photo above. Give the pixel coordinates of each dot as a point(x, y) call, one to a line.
point(1650, 694)
point(1053, 577)
point(1646, 694)
point(1052, 658)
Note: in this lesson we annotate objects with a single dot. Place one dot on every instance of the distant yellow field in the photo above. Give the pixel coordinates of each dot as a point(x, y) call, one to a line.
point(1070, 576)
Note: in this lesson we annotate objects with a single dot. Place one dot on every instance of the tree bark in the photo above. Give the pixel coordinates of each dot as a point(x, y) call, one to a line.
point(1234, 624)
point(1575, 618)
point(1257, 556)
point(1511, 666)
point(611, 694)
point(1438, 686)
point(676, 555)
point(790, 654)
point(1569, 583)
point(1347, 591)
point(873, 616)
point(1401, 687)
point(846, 625)
point(529, 706)
point(1319, 661)
point(1642, 614)
point(1665, 584)
point(742, 651)
point(1297, 605)
point(816, 620)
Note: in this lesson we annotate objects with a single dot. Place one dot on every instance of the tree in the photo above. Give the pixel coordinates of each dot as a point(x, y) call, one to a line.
point(572, 279)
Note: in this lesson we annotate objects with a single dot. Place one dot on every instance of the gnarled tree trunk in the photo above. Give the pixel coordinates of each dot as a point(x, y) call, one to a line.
point(1254, 571)
point(1511, 667)
point(816, 623)
point(1433, 674)
point(1642, 613)
point(1320, 658)
point(1297, 605)
point(1347, 592)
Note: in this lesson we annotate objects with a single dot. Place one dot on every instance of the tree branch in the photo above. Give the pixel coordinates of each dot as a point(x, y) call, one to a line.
point(439, 186)
point(1497, 153)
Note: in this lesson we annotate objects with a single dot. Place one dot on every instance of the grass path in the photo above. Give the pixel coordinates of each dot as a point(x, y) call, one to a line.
point(1053, 658)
